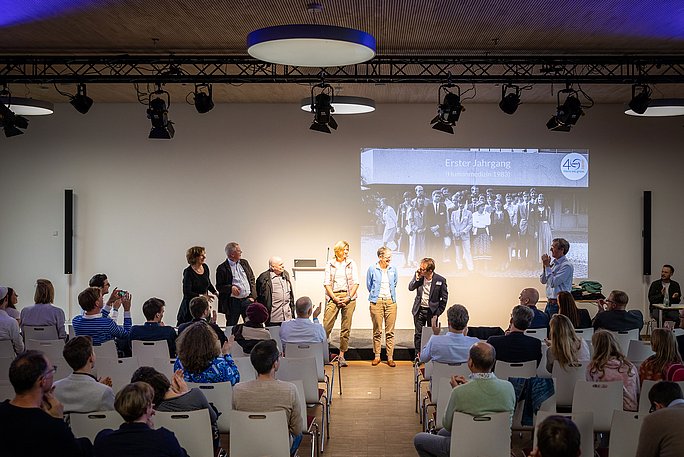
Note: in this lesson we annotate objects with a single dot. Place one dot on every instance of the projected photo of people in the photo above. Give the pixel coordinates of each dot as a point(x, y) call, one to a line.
point(471, 211)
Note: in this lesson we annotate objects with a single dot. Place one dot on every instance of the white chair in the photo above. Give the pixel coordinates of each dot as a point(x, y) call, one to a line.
point(40, 332)
point(425, 335)
point(443, 387)
point(624, 337)
point(585, 333)
point(236, 350)
point(192, 430)
point(220, 394)
point(63, 368)
point(493, 432)
point(6, 391)
point(310, 429)
point(319, 352)
point(88, 425)
point(600, 398)
point(638, 351)
point(585, 425)
point(7, 349)
point(147, 351)
point(163, 365)
point(505, 370)
point(644, 402)
point(439, 371)
point(566, 379)
point(221, 320)
point(72, 332)
point(678, 331)
point(5, 363)
point(120, 370)
point(272, 427)
point(542, 372)
point(51, 348)
point(624, 435)
point(106, 350)
point(539, 333)
point(245, 368)
point(275, 334)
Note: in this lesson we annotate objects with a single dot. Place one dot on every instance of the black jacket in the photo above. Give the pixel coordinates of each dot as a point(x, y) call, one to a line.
point(224, 283)
point(264, 288)
point(438, 294)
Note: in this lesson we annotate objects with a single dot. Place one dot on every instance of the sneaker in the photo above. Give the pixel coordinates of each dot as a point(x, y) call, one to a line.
point(342, 361)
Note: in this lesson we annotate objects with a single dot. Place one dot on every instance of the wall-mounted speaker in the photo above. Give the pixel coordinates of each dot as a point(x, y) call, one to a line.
point(646, 233)
point(68, 231)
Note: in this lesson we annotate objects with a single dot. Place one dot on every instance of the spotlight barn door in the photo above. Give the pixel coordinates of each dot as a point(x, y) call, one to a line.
point(68, 231)
point(646, 233)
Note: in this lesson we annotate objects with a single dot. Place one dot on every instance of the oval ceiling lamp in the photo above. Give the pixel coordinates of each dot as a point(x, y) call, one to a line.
point(661, 108)
point(28, 106)
point(313, 45)
point(344, 104)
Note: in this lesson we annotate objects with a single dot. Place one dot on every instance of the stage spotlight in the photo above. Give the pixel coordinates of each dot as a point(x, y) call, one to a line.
point(81, 101)
point(203, 98)
point(449, 111)
point(509, 101)
point(567, 114)
point(11, 123)
point(322, 109)
point(157, 113)
point(640, 101)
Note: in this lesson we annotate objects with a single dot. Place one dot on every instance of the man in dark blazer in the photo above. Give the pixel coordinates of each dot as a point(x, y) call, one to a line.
point(235, 284)
point(515, 346)
point(431, 297)
point(665, 291)
point(280, 301)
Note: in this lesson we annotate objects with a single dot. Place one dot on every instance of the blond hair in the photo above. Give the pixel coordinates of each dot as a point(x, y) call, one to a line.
point(664, 345)
point(607, 348)
point(339, 248)
point(565, 343)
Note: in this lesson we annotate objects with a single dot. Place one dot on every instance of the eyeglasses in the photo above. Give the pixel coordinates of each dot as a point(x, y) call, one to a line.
point(53, 369)
point(653, 408)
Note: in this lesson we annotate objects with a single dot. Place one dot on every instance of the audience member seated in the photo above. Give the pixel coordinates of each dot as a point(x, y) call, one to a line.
point(454, 346)
point(137, 437)
point(202, 358)
point(154, 329)
point(33, 422)
point(565, 346)
point(664, 345)
point(610, 364)
point(301, 329)
point(247, 335)
point(96, 323)
point(579, 317)
point(557, 436)
point(100, 280)
point(661, 431)
point(515, 346)
point(613, 316)
point(199, 310)
point(81, 391)
point(44, 312)
point(175, 396)
point(529, 297)
point(482, 394)
point(12, 300)
point(266, 393)
point(9, 327)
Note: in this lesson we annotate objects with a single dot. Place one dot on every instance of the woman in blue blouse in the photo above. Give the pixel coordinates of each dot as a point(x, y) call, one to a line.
point(203, 359)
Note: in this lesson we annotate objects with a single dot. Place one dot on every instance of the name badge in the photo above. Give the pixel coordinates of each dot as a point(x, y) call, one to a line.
point(438, 283)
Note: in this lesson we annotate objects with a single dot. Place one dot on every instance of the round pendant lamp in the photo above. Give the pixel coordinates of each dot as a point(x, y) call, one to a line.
point(661, 108)
point(344, 104)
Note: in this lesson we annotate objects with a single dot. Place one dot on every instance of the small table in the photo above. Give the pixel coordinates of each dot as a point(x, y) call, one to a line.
point(661, 307)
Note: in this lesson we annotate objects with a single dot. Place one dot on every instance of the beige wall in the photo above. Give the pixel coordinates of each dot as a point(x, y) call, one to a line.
point(256, 174)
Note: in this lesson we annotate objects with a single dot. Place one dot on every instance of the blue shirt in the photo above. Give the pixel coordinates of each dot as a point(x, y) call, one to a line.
point(100, 327)
point(449, 348)
point(221, 369)
point(557, 277)
point(152, 331)
point(374, 279)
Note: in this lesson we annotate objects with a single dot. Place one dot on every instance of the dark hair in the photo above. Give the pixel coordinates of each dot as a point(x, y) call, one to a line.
point(133, 400)
point(88, 298)
point(670, 267)
point(77, 351)
point(10, 291)
point(194, 253)
point(620, 298)
point(558, 436)
point(568, 307)
point(522, 316)
point(457, 315)
point(159, 382)
point(45, 291)
point(197, 346)
point(97, 280)
point(665, 392)
point(483, 356)
point(152, 306)
point(429, 264)
point(198, 306)
point(562, 244)
point(26, 369)
point(264, 354)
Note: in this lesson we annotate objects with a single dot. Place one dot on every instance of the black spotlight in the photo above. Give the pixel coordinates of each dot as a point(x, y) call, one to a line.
point(11, 123)
point(509, 101)
point(81, 101)
point(322, 109)
point(203, 98)
point(449, 111)
point(567, 114)
point(641, 98)
point(157, 113)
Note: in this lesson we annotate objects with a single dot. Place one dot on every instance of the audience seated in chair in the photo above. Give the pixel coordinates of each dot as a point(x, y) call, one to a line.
point(200, 311)
point(44, 313)
point(565, 346)
point(515, 346)
point(96, 323)
point(609, 364)
point(137, 437)
point(579, 317)
point(664, 344)
point(529, 297)
point(9, 327)
point(81, 391)
point(452, 347)
point(302, 329)
point(266, 393)
point(247, 335)
point(613, 316)
point(557, 436)
point(203, 359)
point(33, 422)
point(661, 431)
point(154, 329)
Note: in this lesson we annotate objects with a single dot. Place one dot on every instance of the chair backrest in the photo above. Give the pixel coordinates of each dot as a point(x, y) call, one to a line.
point(5, 363)
point(245, 426)
point(505, 370)
point(220, 394)
point(303, 369)
point(566, 379)
point(495, 427)
point(624, 337)
point(237, 351)
point(40, 332)
point(624, 435)
point(585, 425)
point(275, 334)
point(585, 333)
point(445, 370)
point(72, 332)
point(315, 350)
point(88, 425)
point(644, 402)
point(120, 370)
point(192, 430)
point(51, 348)
point(221, 320)
point(539, 333)
point(63, 368)
point(163, 365)
point(6, 391)
point(299, 384)
point(107, 350)
point(245, 368)
point(426, 333)
point(7, 349)
point(443, 387)
point(601, 398)
point(638, 351)
point(147, 351)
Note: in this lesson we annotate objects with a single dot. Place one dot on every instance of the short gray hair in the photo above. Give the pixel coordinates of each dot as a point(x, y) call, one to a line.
point(563, 244)
point(303, 306)
point(457, 315)
point(230, 247)
point(522, 317)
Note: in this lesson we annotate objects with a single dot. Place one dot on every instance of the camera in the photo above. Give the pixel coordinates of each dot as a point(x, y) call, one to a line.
point(122, 293)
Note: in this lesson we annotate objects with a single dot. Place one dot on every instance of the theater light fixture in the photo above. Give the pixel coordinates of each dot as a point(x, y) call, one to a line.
point(157, 113)
point(12, 123)
point(567, 113)
point(661, 108)
point(203, 98)
point(25, 106)
point(81, 101)
point(345, 104)
point(641, 97)
point(322, 108)
point(449, 111)
point(510, 98)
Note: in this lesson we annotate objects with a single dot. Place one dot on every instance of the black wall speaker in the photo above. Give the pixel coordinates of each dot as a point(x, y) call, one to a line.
point(647, 233)
point(68, 231)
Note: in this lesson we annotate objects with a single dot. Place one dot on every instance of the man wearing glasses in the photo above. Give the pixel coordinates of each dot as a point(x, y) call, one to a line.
point(35, 409)
point(613, 316)
point(661, 433)
point(431, 298)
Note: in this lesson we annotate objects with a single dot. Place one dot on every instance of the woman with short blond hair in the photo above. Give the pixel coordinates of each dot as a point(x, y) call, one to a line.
point(44, 313)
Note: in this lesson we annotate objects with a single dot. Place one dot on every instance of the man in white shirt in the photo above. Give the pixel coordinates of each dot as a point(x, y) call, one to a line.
point(236, 284)
point(302, 329)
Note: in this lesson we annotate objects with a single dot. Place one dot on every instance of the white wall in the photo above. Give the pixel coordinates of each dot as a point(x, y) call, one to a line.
point(257, 175)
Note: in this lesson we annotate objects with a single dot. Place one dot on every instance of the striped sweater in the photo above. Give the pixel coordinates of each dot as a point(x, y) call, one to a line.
point(100, 327)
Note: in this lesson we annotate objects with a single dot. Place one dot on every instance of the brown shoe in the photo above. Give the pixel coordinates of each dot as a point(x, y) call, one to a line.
point(391, 363)
point(376, 361)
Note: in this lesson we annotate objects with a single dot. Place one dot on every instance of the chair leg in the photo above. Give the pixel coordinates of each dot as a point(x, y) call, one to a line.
point(339, 375)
